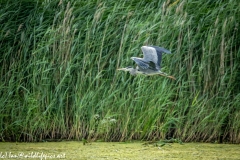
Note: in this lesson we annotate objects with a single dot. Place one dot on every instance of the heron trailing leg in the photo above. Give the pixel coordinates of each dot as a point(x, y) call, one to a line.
point(166, 75)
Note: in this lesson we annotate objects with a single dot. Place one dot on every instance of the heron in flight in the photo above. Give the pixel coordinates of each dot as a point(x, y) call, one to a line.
point(150, 64)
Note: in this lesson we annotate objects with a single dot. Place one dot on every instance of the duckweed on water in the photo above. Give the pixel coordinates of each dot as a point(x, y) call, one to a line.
point(116, 150)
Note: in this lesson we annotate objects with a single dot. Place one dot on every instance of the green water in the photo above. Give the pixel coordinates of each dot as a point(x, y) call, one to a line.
point(118, 150)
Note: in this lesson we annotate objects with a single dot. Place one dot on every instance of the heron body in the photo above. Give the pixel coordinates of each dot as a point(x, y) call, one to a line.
point(150, 64)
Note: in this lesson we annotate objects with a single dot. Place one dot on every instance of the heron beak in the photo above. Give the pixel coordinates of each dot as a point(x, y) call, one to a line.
point(121, 69)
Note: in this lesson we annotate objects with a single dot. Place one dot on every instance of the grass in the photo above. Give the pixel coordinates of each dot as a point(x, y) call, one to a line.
point(59, 80)
point(119, 150)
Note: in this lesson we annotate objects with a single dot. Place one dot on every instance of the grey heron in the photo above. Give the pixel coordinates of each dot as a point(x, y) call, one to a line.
point(150, 64)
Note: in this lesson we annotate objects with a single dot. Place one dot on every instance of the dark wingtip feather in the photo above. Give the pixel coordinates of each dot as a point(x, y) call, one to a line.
point(161, 49)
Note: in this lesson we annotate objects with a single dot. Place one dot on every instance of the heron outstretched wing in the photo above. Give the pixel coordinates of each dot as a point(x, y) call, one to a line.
point(153, 54)
point(144, 65)
point(139, 61)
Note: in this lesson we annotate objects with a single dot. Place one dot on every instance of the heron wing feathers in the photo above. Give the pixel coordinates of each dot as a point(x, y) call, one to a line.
point(153, 66)
point(161, 49)
point(154, 54)
point(145, 65)
point(140, 63)
point(152, 57)
point(149, 54)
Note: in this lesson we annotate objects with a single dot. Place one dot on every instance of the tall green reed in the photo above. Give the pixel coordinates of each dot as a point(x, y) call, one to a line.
point(59, 78)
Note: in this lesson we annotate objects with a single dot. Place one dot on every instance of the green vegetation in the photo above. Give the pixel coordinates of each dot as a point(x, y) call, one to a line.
point(118, 150)
point(58, 62)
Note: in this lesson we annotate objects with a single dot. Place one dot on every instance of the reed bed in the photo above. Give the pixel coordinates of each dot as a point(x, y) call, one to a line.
point(59, 80)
